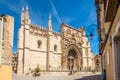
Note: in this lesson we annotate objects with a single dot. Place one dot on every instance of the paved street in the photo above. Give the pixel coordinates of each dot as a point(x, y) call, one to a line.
point(94, 77)
point(71, 77)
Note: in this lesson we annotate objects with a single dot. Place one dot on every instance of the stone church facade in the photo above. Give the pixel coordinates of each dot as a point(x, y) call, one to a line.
point(52, 51)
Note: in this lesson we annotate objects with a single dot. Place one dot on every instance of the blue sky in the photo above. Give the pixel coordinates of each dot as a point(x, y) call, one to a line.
point(75, 13)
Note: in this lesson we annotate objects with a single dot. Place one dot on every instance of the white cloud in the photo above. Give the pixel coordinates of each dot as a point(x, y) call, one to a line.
point(13, 7)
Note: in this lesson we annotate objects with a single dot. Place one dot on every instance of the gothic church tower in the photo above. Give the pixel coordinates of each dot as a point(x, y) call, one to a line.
point(23, 42)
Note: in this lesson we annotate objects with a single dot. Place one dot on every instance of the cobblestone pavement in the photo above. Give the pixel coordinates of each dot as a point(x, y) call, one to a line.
point(71, 77)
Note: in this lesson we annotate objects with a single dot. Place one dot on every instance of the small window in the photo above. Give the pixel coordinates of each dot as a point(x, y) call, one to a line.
point(55, 48)
point(39, 43)
point(108, 57)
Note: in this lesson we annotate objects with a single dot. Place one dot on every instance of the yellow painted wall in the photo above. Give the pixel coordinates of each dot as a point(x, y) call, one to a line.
point(5, 73)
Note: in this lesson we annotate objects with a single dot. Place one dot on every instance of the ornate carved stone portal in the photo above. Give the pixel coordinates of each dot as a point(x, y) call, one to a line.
point(72, 58)
point(71, 46)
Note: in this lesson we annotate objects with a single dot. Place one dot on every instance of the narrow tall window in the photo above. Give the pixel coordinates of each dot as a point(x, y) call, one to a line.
point(108, 57)
point(39, 43)
point(55, 47)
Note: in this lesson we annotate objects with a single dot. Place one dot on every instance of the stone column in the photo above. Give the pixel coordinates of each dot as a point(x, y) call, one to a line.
point(47, 55)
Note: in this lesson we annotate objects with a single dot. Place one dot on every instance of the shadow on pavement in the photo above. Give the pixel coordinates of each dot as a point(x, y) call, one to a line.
point(93, 77)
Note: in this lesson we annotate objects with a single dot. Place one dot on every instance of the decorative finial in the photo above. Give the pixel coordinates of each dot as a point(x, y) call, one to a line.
point(49, 16)
point(49, 23)
point(23, 8)
point(27, 7)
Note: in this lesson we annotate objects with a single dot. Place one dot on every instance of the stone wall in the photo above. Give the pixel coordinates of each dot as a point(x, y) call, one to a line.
point(7, 43)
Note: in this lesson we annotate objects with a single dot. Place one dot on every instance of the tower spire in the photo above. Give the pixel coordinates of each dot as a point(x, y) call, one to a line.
point(27, 7)
point(27, 20)
point(22, 15)
point(49, 23)
point(22, 8)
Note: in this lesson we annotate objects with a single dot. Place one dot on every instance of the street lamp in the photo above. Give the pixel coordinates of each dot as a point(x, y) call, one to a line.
point(90, 30)
point(91, 36)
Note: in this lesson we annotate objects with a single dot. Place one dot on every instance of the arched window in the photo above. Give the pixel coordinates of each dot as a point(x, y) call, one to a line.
point(55, 47)
point(39, 43)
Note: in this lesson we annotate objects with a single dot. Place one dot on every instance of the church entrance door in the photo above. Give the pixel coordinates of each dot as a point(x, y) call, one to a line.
point(72, 60)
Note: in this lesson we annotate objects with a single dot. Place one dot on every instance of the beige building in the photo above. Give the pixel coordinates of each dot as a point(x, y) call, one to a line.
point(6, 39)
point(108, 13)
point(52, 51)
point(14, 62)
point(98, 66)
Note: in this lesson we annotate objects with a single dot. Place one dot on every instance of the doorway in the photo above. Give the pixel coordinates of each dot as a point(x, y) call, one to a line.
point(72, 60)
